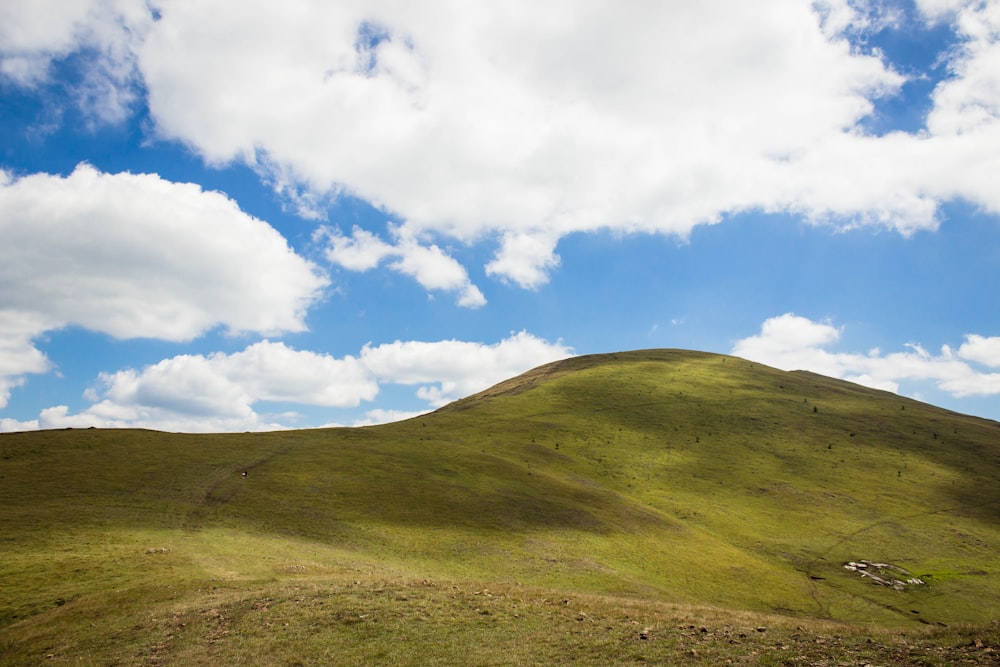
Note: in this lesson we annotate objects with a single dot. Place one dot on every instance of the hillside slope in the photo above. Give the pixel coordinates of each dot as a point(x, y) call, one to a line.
point(798, 472)
point(660, 475)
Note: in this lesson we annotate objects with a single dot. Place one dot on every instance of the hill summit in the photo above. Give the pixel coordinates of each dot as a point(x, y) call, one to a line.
point(658, 476)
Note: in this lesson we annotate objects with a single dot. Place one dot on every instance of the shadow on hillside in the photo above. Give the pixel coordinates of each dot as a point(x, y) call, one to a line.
point(505, 498)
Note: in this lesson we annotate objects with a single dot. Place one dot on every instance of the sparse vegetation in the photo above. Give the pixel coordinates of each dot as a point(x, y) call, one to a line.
point(572, 514)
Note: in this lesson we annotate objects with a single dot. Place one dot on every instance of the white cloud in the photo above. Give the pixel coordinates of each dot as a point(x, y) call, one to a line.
point(448, 370)
point(527, 123)
point(508, 117)
point(18, 356)
point(981, 350)
point(792, 342)
point(434, 269)
point(105, 33)
point(8, 425)
point(525, 258)
point(791, 332)
point(32, 34)
point(221, 392)
point(137, 256)
point(430, 266)
point(110, 415)
point(275, 372)
point(11, 425)
point(379, 416)
point(218, 392)
point(362, 251)
point(971, 97)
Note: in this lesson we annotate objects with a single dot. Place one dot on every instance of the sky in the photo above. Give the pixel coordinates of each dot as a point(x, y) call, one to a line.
point(222, 215)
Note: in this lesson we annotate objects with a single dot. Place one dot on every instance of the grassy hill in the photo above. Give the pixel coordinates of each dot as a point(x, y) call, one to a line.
point(658, 505)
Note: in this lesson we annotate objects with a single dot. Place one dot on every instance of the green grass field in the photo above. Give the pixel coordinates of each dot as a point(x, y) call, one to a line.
point(658, 506)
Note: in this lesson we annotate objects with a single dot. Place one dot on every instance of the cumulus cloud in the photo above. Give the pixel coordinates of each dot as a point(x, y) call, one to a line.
point(524, 124)
point(792, 342)
point(218, 391)
point(525, 258)
point(430, 266)
point(221, 392)
point(509, 120)
point(133, 255)
point(448, 370)
point(981, 350)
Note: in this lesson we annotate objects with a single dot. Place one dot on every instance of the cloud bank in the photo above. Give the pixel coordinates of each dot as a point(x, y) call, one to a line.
point(232, 392)
point(522, 124)
point(220, 392)
point(792, 342)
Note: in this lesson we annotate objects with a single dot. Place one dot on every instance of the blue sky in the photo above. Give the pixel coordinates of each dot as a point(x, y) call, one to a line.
point(228, 216)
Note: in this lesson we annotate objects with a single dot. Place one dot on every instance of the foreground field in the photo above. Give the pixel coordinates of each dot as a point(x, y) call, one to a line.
point(659, 506)
point(344, 621)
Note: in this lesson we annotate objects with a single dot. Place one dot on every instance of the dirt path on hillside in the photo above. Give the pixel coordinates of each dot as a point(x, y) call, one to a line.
point(223, 484)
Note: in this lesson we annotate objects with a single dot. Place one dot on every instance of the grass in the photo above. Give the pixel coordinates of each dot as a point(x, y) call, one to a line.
point(650, 506)
point(371, 620)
